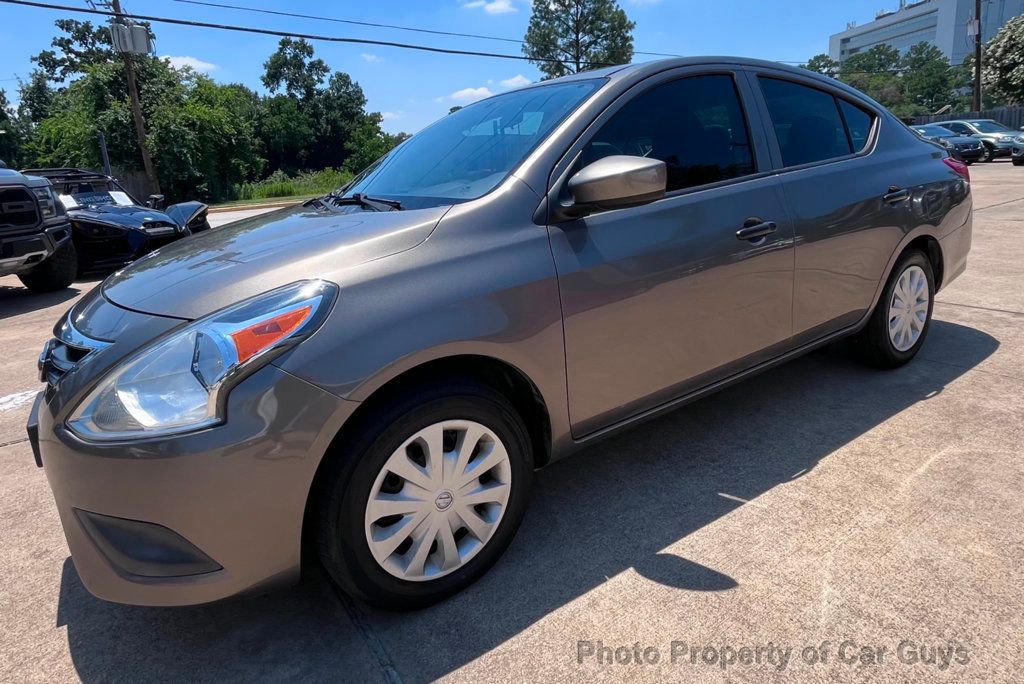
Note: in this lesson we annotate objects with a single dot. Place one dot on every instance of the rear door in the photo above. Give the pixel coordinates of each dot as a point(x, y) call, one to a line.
point(661, 299)
point(847, 195)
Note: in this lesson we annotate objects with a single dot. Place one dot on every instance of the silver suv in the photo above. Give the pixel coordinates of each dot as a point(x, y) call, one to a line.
point(373, 377)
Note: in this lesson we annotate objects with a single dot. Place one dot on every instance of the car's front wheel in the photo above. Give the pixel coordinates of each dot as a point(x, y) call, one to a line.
point(901, 319)
point(425, 497)
point(55, 273)
point(986, 153)
point(1018, 161)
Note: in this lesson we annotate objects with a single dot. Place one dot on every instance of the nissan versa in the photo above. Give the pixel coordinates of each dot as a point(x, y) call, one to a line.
point(369, 380)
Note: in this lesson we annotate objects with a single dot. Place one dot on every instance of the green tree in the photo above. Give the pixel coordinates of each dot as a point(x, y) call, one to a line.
point(293, 68)
point(10, 133)
point(82, 45)
point(823, 64)
point(1003, 64)
point(928, 80)
point(35, 97)
point(876, 72)
point(569, 36)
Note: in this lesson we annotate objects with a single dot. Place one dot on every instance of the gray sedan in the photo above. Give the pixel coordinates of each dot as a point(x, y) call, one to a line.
point(369, 381)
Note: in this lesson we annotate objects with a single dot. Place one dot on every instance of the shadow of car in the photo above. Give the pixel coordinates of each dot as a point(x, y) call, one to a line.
point(613, 507)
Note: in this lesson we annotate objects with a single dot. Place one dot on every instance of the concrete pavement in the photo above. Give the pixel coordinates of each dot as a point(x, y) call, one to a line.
point(836, 521)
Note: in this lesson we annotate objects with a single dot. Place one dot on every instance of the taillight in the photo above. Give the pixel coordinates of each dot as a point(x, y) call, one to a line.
point(959, 167)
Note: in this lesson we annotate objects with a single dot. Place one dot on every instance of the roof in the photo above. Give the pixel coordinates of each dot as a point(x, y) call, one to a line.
point(66, 174)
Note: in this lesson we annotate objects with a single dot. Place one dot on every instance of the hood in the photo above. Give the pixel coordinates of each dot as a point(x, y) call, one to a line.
point(206, 272)
point(129, 217)
point(957, 139)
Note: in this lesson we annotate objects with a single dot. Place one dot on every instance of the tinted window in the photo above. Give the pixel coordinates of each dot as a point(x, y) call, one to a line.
point(695, 125)
point(935, 130)
point(467, 153)
point(858, 123)
point(959, 128)
point(806, 122)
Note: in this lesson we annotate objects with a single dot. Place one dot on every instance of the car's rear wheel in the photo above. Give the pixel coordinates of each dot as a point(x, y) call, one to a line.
point(55, 273)
point(1018, 161)
point(901, 319)
point(425, 497)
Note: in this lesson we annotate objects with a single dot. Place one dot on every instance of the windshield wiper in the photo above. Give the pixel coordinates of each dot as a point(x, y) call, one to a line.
point(375, 203)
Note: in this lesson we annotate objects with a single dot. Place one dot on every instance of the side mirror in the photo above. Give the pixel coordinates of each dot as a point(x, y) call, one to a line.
point(155, 202)
point(615, 182)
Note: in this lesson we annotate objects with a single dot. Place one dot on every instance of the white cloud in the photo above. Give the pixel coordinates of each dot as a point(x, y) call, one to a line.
point(391, 116)
point(370, 57)
point(193, 62)
point(471, 94)
point(492, 6)
point(517, 81)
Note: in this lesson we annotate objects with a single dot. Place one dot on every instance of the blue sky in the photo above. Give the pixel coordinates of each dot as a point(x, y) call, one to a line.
point(413, 88)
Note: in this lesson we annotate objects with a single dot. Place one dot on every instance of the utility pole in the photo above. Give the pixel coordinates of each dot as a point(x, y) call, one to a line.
point(133, 97)
point(977, 55)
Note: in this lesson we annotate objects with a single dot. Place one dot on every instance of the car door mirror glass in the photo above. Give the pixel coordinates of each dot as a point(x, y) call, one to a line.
point(155, 202)
point(614, 182)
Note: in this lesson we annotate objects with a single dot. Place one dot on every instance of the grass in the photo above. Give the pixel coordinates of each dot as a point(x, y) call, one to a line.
point(270, 200)
point(280, 185)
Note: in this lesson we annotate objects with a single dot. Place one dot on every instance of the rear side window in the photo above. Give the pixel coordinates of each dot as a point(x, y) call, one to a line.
point(695, 125)
point(858, 123)
point(808, 124)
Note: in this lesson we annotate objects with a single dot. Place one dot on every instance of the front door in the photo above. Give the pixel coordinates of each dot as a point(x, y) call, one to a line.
point(662, 299)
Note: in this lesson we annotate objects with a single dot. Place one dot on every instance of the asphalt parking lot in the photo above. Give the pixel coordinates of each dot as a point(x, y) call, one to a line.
point(838, 522)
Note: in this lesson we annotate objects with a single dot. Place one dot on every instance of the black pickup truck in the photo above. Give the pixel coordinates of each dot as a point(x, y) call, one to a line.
point(35, 234)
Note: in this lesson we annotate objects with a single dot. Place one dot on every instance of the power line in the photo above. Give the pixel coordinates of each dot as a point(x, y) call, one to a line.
point(371, 24)
point(291, 34)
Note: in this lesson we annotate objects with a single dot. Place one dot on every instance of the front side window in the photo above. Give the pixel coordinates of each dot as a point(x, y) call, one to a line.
point(806, 121)
point(467, 153)
point(695, 125)
point(960, 128)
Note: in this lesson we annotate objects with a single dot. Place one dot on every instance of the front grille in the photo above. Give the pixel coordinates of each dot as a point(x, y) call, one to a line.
point(17, 210)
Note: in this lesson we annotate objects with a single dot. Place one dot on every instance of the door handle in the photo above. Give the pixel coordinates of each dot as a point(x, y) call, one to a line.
point(755, 229)
point(895, 194)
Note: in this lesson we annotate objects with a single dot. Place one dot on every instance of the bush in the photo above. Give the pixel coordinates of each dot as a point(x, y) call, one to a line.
point(280, 184)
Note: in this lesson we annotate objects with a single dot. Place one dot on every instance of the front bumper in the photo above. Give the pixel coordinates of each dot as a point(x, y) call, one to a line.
point(197, 517)
point(103, 247)
point(968, 154)
point(22, 252)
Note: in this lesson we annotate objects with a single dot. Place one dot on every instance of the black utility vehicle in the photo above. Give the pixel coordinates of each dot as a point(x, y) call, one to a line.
point(35, 237)
point(110, 228)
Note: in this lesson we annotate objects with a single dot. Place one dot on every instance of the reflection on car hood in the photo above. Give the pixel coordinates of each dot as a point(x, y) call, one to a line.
point(198, 275)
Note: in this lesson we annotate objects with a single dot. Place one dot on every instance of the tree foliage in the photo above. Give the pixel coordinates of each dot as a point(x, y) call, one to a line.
point(822, 64)
point(569, 36)
point(207, 139)
point(917, 82)
point(82, 46)
point(1003, 63)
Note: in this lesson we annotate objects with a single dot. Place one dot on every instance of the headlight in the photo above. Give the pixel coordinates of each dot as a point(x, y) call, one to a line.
point(946, 143)
point(47, 205)
point(180, 382)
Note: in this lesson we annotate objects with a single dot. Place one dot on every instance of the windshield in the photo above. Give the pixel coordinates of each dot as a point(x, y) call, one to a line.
point(936, 130)
point(92, 198)
point(467, 153)
point(991, 127)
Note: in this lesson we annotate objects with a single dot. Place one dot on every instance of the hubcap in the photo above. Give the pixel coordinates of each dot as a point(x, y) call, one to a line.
point(908, 309)
point(438, 500)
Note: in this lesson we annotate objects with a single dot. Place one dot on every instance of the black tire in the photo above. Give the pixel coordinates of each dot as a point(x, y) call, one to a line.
point(1018, 161)
point(873, 342)
point(986, 153)
point(969, 162)
point(344, 487)
point(55, 273)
